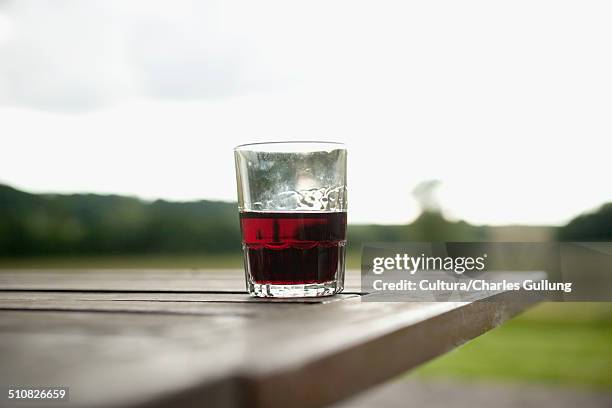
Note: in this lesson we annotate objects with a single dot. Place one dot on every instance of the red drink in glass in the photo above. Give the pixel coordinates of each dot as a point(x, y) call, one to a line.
point(293, 248)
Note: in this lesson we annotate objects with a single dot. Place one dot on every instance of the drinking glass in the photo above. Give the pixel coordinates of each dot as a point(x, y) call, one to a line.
point(292, 202)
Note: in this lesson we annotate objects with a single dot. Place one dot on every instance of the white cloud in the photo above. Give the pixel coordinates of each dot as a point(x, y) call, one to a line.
point(81, 55)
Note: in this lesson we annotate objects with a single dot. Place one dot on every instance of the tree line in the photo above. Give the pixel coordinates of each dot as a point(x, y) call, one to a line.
point(71, 224)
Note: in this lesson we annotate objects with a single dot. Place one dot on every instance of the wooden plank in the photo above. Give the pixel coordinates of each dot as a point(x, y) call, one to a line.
point(151, 302)
point(378, 343)
point(115, 359)
point(231, 280)
point(204, 297)
point(232, 353)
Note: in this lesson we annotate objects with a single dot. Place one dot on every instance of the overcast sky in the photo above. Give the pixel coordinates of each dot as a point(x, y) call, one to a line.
point(509, 104)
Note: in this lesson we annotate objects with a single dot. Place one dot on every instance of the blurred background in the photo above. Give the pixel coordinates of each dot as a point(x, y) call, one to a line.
point(465, 121)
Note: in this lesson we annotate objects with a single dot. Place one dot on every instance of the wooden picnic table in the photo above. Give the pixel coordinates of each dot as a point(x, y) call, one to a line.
point(183, 338)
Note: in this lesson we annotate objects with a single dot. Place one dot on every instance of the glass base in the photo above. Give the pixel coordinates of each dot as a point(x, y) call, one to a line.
point(294, 291)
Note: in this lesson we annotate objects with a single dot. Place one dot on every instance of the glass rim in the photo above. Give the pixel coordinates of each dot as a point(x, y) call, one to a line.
point(291, 146)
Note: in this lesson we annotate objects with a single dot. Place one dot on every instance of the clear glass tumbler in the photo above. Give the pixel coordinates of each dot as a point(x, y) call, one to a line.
point(292, 202)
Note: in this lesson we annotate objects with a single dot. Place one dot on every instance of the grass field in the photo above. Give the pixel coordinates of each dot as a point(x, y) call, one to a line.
point(565, 344)
point(568, 344)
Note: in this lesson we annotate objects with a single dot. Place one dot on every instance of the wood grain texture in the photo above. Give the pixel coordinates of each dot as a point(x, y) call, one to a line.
point(142, 348)
point(118, 280)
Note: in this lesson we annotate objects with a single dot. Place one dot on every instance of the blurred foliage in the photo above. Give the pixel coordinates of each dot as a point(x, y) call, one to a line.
point(94, 224)
point(594, 226)
point(429, 226)
point(89, 224)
